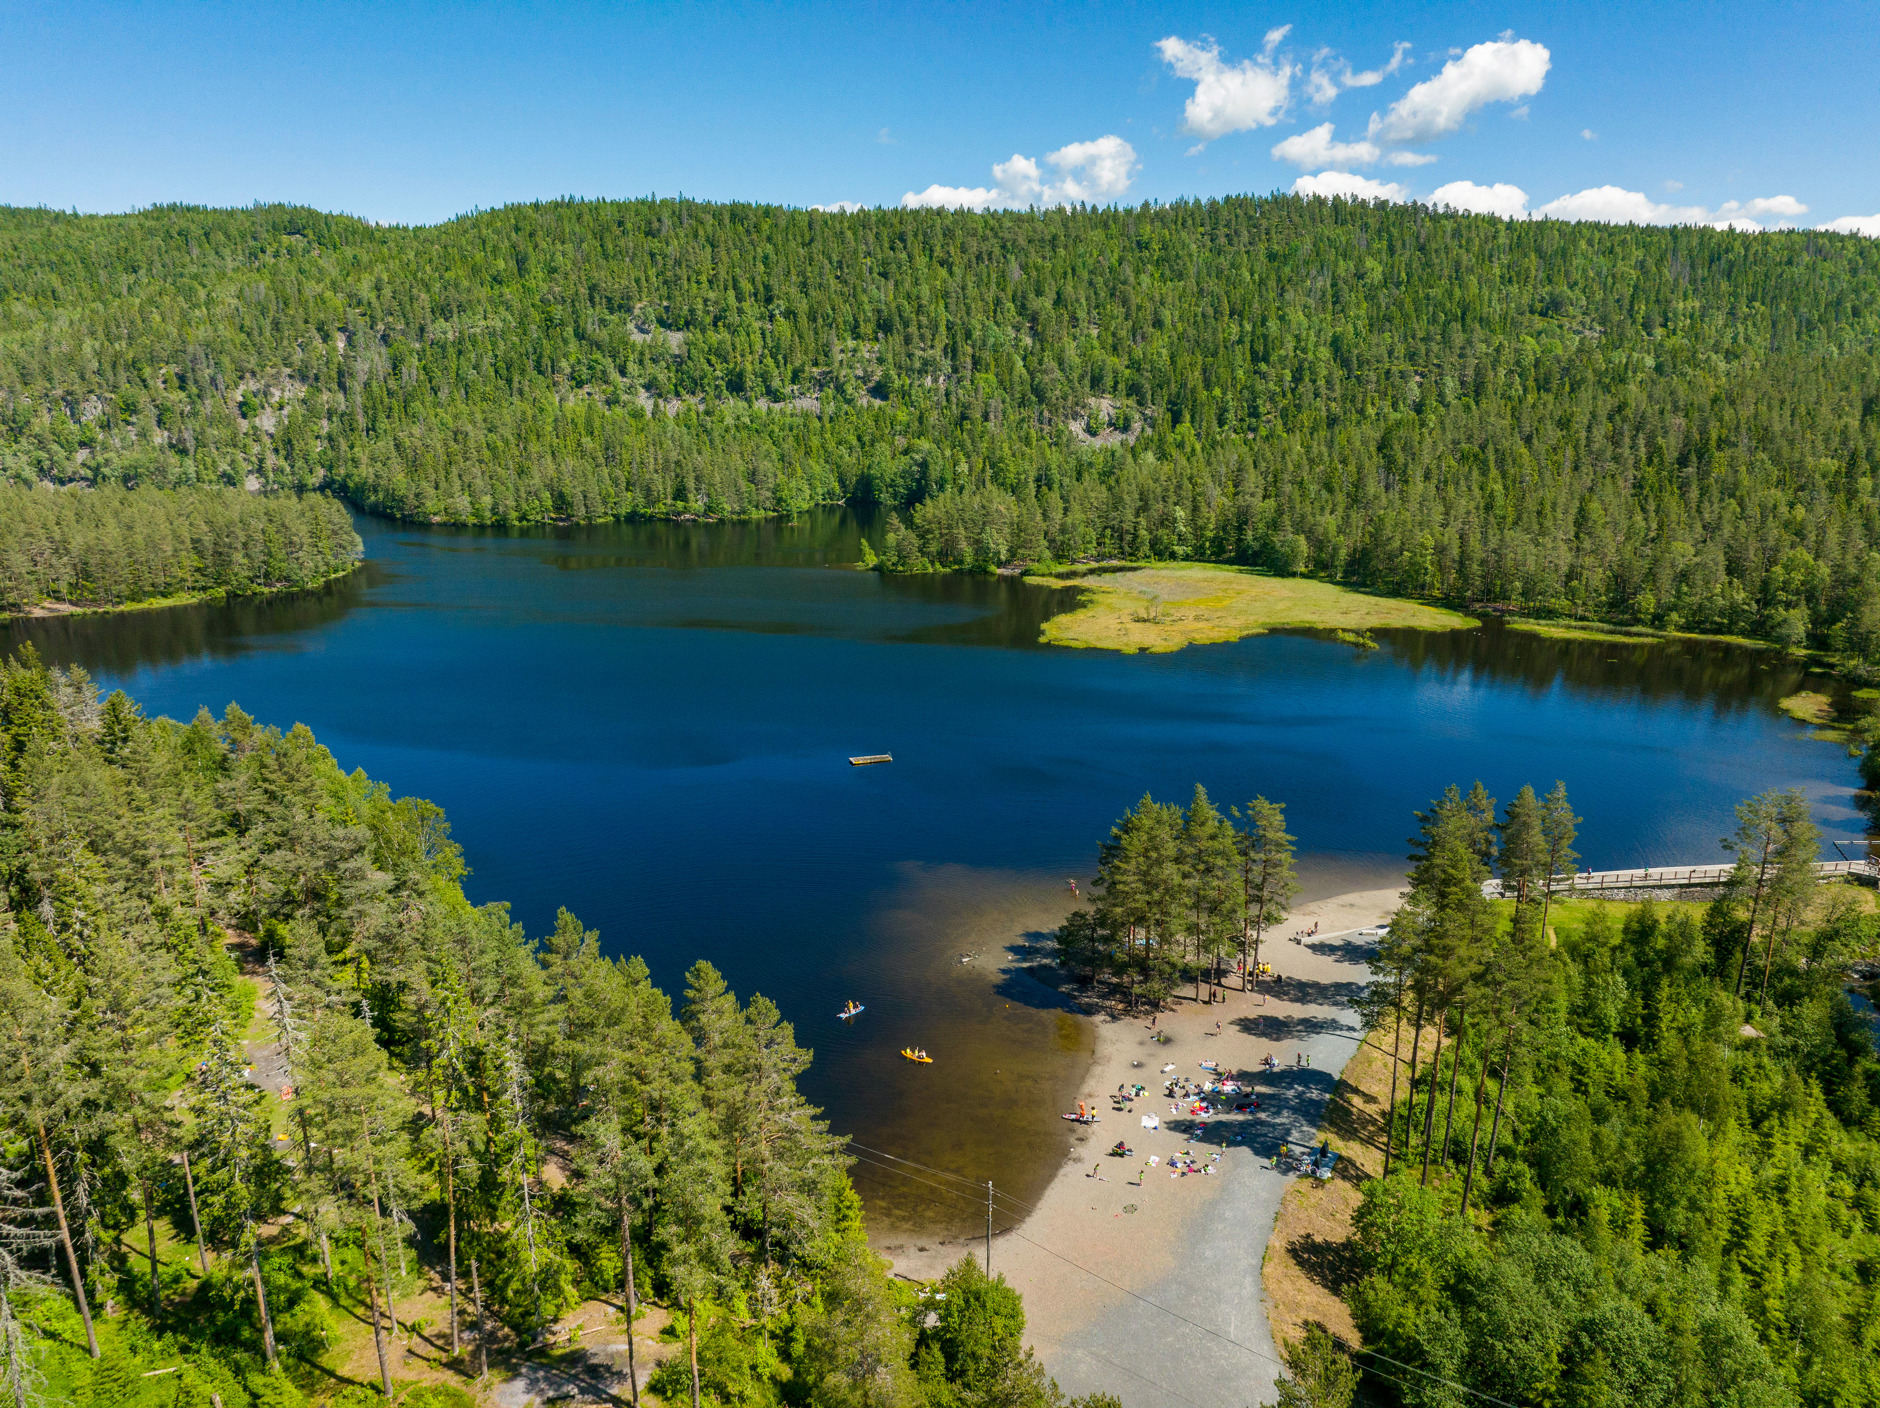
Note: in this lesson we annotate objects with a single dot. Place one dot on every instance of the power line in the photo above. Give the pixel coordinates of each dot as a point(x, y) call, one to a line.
point(974, 1183)
point(977, 1185)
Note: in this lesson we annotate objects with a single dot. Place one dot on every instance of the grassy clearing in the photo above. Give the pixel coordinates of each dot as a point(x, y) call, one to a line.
point(1165, 607)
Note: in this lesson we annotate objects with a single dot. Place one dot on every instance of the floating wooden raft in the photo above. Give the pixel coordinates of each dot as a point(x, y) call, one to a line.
point(868, 758)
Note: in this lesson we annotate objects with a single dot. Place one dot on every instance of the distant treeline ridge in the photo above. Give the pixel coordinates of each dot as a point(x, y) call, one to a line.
point(1676, 427)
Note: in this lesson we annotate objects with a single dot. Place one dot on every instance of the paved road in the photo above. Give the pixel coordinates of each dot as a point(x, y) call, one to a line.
point(1149, 1357)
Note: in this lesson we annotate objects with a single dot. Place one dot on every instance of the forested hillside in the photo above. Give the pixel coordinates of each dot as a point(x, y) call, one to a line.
point(1672, 426)
point(282, 1115)
point(117, 547)
point(1635, 1156)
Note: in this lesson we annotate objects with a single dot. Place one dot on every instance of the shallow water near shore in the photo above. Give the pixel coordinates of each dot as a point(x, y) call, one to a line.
point(650, 723)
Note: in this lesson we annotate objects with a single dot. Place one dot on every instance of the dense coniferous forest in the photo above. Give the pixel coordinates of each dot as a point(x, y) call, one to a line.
point(266, 1076)
point(1657, 1178)
point(116, 546)
point(1675, 427)
point(1633, 1149)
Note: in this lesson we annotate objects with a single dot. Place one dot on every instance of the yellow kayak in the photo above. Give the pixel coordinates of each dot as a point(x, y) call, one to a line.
point(920, 1056)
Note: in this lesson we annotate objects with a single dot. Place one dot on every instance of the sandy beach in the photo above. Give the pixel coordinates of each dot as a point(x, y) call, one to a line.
point(1146, 1283)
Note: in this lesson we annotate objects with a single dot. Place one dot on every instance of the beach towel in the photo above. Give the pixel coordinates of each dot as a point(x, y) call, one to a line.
point(1151, 1122)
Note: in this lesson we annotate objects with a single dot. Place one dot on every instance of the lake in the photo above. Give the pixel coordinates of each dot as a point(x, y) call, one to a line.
point(650, 724)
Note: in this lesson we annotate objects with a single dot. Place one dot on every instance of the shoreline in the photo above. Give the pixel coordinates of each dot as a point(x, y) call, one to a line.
point(1147, 1285)
point(61, 610)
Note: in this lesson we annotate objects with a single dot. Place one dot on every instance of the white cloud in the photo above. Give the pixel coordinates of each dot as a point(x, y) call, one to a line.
point(1331, 75)
point(1349, 185)
point(1231, 97)
point(938, 197)
point(1093, 172)
point(1786, 206)
point(840, 207)
point(1618, 206)
point(1868, 225)
point(1317, 148)
point(1499, 199)
point(1496, 72)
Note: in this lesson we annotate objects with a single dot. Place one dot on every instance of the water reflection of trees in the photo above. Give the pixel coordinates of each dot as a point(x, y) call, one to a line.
point(120, 643)
point(824, 537)
point(1727, 677)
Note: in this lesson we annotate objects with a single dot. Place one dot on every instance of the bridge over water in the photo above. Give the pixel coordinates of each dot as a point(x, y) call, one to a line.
point(1685, 877)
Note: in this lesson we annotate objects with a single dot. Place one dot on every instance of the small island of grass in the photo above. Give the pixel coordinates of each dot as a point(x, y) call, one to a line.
point(1167, 606)
point(1579, 630)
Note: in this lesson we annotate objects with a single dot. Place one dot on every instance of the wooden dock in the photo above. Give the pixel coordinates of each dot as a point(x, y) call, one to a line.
point(1685, 877)
point(867, 758)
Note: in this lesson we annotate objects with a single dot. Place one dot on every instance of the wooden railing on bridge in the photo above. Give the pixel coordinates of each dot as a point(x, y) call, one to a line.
point(1685, 877)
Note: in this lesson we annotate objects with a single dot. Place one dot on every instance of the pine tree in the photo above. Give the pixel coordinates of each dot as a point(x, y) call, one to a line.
point(241, 1179)
point(694, 1234)
point(613, 1173)
point(1209, 865)
point(43, 1085)
point(1268, 879)
point(361, 1117)
point(1559, 829)
point(22, 1231)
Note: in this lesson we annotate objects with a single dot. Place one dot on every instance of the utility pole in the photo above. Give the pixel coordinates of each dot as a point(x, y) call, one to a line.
point(988, 1227)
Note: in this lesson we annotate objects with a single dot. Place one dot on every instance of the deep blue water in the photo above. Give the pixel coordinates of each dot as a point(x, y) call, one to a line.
point(650, 724)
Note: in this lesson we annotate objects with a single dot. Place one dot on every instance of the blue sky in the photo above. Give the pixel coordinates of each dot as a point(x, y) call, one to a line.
point(1766, 113)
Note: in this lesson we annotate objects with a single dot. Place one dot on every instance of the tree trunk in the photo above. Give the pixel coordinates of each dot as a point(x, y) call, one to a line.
point(378, 1227)
point(1755, 904)
point(1769, 953)
point(1475, 1134)
point(326, 1258)
point(691, 1334)
point(261, 1296)
point(450, 1208)
point(483, 1340)
point(1455, 1069)
point(150, 1235)
point(195, 1218)
point(65, 1237)
point(378, 1329)
point(1396, 1060)
point(1429, 1111)
point(1410, 1088)
point(1507, 1059)
point(626, 1261)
